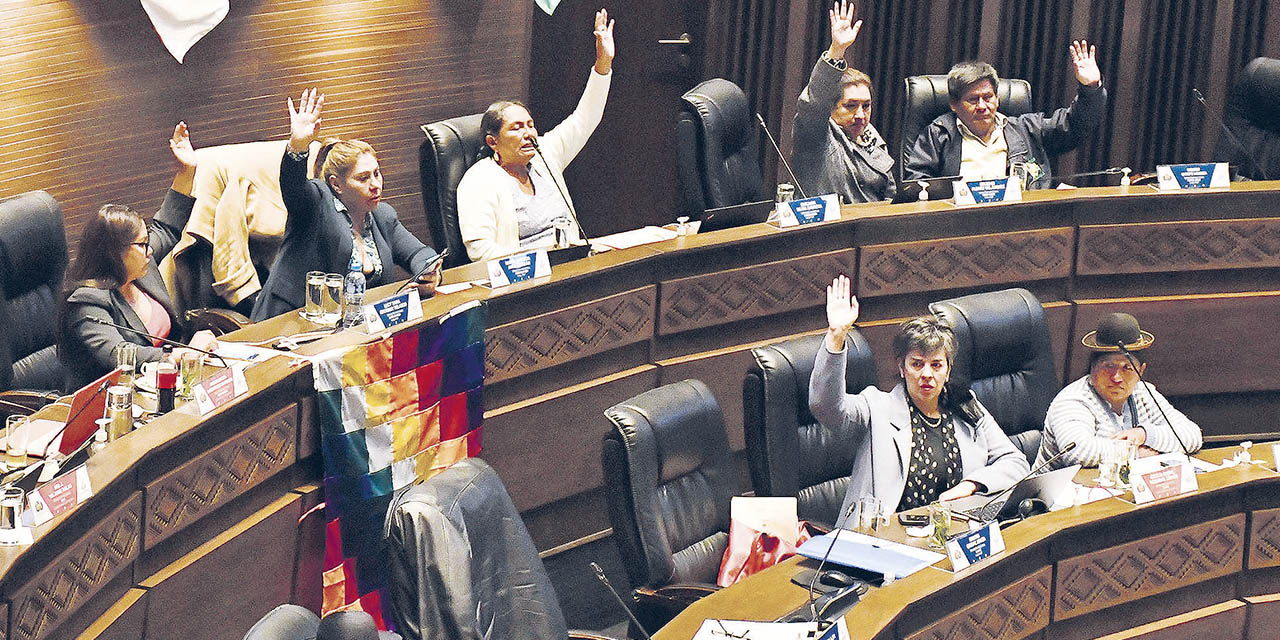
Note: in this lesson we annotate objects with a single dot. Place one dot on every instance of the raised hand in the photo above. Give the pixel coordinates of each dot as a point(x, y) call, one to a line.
point(604, 42)
point(843, 29)
point(180, 147)
point(304, 122)
point(842, 307)
point(1085, 60)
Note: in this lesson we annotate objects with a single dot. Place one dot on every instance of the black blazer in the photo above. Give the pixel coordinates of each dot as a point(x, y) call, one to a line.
point(87, 349)
point(317, 237)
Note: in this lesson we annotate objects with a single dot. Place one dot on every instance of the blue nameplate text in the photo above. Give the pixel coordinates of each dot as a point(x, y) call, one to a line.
point(975, 546)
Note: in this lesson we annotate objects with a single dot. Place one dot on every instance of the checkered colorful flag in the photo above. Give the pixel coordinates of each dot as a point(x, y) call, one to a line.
point(391, 413)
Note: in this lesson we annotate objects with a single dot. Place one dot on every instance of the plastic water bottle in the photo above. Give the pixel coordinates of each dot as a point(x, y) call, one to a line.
point(353, 297)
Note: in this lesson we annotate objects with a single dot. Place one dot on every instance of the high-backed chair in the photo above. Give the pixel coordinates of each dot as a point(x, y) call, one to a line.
point(1253, 114)
point(33, 261)
point(1005, 357)
point(669, 480)
point(292, 622)
point(451, 147)
point(789, 452)
point(717, 148)
point(926, 98)
point(463, 564)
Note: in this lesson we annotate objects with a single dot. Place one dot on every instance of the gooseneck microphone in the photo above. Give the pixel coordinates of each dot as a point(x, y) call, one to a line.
point(813, 609)
point(605, 579)
point(783, 158)
point(1040, 467)
point(158, 339)
point(1230, 134)
point(573, 215)
point(1133, 362)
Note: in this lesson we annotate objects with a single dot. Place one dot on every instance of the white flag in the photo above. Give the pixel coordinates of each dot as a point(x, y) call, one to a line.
point(181, 23)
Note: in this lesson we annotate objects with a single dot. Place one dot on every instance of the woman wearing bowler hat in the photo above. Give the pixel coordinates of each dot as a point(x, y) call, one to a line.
point(1112, 402)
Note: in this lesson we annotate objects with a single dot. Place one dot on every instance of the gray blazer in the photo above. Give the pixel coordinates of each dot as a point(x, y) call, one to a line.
point(317, 237)
point(882, 454)
point(87, 349)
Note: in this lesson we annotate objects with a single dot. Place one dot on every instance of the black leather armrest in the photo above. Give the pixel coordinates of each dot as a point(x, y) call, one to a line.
point(219, 321)
point(19, 402)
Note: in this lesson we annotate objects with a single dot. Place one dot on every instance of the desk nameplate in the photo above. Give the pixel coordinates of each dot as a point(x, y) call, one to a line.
point(1146, 567)
point(78, 573)
point(209, 481)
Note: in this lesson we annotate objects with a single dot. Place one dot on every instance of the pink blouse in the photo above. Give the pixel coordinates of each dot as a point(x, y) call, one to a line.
point(158, 324)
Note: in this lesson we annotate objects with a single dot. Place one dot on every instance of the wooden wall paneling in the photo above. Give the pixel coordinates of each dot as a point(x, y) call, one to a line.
point(566, 426)
point(1223, 621)
point(1061, 316)
point(91, 94)
point(1202, 342)
point(123, 621)
point(105, 551)
point(1016, 611)
point(238, 576)
point(1148, 566)
point(1264, 616)
point(1220, 73)
point(1178, 246)
point(1264, 539)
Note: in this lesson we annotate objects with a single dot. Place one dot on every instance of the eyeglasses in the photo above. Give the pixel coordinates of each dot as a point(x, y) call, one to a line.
point(145, 245)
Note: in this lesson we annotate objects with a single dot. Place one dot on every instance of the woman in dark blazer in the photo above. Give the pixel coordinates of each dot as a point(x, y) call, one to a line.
point(115, 279)
point(328, 213)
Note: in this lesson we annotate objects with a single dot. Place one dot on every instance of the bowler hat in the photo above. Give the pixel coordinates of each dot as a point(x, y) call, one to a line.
point(1115, 329)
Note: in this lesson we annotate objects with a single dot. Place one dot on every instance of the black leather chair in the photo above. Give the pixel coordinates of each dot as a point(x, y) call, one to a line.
point(463, 564)
point(1253, 114)
point(669, 479)
point(1005, 357)
point(926, 98)
point(292, 622)
point(451, 147)
point(789, 452)
point(717, 149)
point(33, 261)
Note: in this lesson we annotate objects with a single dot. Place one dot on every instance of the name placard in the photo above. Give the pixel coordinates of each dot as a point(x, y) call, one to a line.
point(396, 310)
point(1164, 483)
point(59, 495)
point(518, 268)
point(1188, 177)
point(808, 210)
point(975, 546)
point(220, 388)
point(987, 191)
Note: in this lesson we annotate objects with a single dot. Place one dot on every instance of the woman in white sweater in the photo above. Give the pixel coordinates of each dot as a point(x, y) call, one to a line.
point(516, 197)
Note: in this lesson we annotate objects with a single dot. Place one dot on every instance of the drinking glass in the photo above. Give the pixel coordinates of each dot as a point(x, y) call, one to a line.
point(868, 514)
point(126, 361)
point(190, 370)
point(120, 411)
point(1128, 452)
point(940, 516)
point(786, 192)
point(16, 438)
point(332, 306)
point(1109, 465)
point(11, 499)
point(315, 296)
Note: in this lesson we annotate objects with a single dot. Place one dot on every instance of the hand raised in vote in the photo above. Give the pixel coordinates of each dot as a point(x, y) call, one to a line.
point(842, 308)
point(180, 147)
point(1084, 58)
point(604, 42)
point(304, 122)
point(844, 31)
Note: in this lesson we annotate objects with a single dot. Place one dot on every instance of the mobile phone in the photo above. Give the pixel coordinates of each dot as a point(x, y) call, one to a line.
point(913, 519)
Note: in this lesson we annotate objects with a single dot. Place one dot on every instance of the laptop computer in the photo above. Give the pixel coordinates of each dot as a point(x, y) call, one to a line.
point(736, 215)
point(1045, 486)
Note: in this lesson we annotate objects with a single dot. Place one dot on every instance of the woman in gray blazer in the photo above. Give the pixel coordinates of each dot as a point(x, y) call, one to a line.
point(916, 444)
point(336, 219)
point(115, 279)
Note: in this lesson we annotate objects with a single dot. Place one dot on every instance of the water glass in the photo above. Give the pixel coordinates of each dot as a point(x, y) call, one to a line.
point(1109, 465)
point(315, 296)
point(1128, 452)
point(940, 516)
point(17, 436)
point(126, 360)
point(331, 307)
point(786, 192)
point(190, 370)
point(11, 499)
point(120, 411)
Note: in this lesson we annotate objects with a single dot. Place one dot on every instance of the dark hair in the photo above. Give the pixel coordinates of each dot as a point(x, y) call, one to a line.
point(925, 334)
point(491, 122)
point(853, 77)
point(1095, 356)
point(103, 242)
point(966, 74)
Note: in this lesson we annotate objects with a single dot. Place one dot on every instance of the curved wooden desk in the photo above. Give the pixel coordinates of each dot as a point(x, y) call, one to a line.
point(197, 525)
point(1203, 559)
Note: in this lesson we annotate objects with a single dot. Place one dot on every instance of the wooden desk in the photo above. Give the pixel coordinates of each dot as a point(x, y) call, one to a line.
point(197, 526)
point(1095, 569)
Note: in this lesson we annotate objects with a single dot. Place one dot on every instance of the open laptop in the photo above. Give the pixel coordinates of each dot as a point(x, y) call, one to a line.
point(736, 215)
point(87, 405)
point(1045, 486)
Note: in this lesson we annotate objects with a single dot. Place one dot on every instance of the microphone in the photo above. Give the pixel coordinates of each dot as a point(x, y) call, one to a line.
point(1041, 467)
point(1133, 362)
point(783, 158)
point(573, 215)
point(813, 609)
point(605, 579)
point(159, 339)
point(431, 264)
point(1230, 134)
